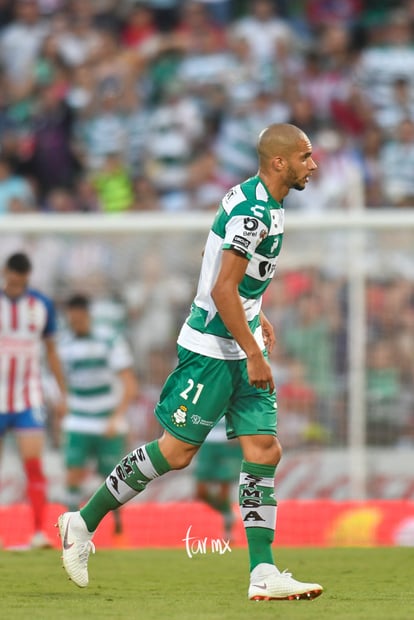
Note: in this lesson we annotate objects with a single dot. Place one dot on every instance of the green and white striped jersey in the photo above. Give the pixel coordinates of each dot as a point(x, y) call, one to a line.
point(250, 221)
point(91, 364)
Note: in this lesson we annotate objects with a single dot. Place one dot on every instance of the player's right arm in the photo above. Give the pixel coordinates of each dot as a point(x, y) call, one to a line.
point(226, 297)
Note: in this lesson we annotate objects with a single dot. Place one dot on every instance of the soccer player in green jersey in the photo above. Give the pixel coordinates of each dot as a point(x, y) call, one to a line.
point(222, 370)
point(101, 385)
point(217, 468)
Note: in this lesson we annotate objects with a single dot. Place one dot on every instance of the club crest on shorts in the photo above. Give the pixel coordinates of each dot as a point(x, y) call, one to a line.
point(179, 417)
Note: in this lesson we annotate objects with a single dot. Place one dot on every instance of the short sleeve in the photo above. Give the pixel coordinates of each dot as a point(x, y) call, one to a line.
point(244, 233)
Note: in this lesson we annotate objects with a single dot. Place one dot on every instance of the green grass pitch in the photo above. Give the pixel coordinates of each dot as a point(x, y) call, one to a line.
point(360, 584)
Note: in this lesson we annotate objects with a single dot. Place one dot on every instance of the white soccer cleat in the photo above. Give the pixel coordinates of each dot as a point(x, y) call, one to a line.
point(267, 583)
point(76, 546)
point(40, 541)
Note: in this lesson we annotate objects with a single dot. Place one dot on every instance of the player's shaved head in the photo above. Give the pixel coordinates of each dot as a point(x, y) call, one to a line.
point(279, 139)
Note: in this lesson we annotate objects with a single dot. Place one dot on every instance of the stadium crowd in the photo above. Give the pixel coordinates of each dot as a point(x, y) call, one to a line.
point(155, 106)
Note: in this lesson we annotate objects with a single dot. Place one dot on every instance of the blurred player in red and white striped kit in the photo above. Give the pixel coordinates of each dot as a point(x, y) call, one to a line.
point(27, 321)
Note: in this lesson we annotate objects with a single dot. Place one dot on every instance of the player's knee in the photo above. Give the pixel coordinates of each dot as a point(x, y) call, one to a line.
point(177, 453)
point(263, 449)
point(272, 452)
point(182, 459)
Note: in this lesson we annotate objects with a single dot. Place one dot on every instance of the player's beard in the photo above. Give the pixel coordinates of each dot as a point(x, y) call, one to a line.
point(293, 180)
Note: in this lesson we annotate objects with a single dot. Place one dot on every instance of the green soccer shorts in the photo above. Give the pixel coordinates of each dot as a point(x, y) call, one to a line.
point(81, 448)
point(202, 389)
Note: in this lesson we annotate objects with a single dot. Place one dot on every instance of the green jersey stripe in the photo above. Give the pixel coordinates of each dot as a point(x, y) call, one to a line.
point(93, 362)
point(91, 392)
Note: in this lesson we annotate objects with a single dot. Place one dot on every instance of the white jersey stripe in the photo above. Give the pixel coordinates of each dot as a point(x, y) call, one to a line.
point(4, 363)
point(11, 374)
point(26, 383)
point(214, 346)
point(18, 396)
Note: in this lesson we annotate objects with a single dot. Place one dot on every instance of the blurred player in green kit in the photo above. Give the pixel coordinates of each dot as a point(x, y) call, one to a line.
point(101, 385)
point(217, 467)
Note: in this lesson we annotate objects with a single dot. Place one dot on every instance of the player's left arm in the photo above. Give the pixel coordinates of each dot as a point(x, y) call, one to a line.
point(55, 367)
point(129, 391)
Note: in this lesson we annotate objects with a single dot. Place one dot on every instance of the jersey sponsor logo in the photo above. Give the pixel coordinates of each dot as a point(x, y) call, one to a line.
point(179, 417)
point(233, 197)
point(258, 210)
point(237, 240)
point(196, 419)
point(266, 269)
point(250, 224)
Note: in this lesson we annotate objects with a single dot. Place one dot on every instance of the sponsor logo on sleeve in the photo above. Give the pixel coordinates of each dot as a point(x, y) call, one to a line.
point(250, 224)
point(237, 240)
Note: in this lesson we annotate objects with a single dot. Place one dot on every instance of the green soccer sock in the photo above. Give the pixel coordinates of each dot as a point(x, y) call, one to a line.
point(129, 478)
point(258, 510)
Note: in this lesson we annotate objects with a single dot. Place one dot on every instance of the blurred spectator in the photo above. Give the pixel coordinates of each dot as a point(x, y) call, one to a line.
point(60, 200)
point(176, 127)
point(120, 69)
point(166, 13)
point(297, 402)
point(352, 113)
point(145, 195)
point(113, 185)
point(400, 108)
point(251, 107)
point(306, 335)
point(383, 393)
point(140, 26)
point(303, 115)
point(397, 161)
point(220, 10)
point(101, 129)
point(53, 161)
point(338, 181)
point(333, 12)
point(21, 41)
point(6, 12)
point(267, 35)
point(80, 40)
point(388, 57)
point(16, 194)
point(196, 25)
point(136, 119)
point(80, 91)
point(368, 153)
point(325, 76)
